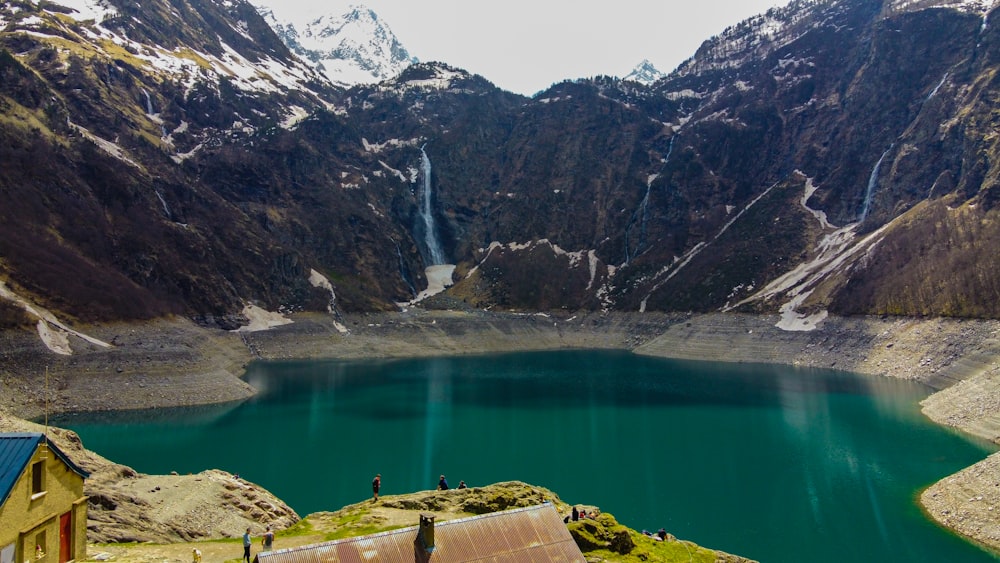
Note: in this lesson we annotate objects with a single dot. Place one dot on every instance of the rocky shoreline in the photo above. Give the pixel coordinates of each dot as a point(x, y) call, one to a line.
point(174, 362)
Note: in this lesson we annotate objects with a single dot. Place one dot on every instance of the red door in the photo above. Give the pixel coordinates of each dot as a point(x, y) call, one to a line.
point(65, 537)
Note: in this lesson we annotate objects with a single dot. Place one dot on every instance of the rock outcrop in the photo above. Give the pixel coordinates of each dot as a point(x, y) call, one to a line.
point(127, 506)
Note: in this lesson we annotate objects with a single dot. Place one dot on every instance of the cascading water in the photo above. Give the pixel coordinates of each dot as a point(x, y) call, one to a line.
point(163, 202)
point(149, 102)
point(435, 254)
point(872, 182)
point(641, 214)
point(936, 88)
point(155, 117)
point(438, 272)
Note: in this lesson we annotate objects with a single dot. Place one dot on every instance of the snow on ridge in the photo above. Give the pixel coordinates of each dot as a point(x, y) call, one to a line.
point(981, 7)
point(390, 143)
point(355, 47)
point(83, 10)
point(441, 80)
point(265, 75)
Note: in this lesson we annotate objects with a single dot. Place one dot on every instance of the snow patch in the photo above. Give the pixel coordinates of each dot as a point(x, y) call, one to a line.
point(261, 319)
point(819, 215)
point(319, 280)
point(296, 115)
point(391, 143)
point(83, 10)
point(53, 333)
point(438, 279)
point(107, 146)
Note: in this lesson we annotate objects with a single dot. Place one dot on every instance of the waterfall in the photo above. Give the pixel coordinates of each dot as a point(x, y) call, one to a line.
point(163, 202)
point(936, 88)
point(434, 251)
point(149, 102)
point(872, 181)
point(641, 214)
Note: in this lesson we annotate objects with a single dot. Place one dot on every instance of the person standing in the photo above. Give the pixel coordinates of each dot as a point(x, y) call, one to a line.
point(376, 485)
point(247, 542)
point(443, 484)
point(268, 540)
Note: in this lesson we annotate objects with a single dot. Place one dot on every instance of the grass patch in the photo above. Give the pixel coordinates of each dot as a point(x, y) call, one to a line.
point(608, 540)
point(192, 55)
point(17, 116)
point(301, 528)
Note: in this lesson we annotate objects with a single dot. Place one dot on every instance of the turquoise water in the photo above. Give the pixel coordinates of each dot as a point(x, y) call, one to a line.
point(770, 462)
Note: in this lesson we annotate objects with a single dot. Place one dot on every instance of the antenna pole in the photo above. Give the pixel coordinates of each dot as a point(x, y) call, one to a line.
point(46, 403)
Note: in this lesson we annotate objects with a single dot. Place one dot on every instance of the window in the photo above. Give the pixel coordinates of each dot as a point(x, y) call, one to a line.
point(37, 478)
point(40, 549)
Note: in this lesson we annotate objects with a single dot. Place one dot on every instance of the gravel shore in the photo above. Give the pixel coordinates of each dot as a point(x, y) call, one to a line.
point(175, 362)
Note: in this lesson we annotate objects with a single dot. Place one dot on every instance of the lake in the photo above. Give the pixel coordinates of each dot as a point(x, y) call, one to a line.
point(776, 463)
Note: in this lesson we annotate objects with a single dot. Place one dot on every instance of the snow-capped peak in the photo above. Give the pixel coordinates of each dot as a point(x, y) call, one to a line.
point(645, 73)
point(353, 48)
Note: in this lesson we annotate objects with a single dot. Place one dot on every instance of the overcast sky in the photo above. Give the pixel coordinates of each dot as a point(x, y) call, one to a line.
point(526, 45)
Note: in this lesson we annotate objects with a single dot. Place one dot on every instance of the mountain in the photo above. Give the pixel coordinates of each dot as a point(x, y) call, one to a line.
point(645, 73)
point(825, 157)
point(354, 48)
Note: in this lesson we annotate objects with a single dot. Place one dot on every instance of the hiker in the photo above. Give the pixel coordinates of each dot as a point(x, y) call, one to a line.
point(247, 542)
point(576, 515)
point(196, 555)
point(268, 540)
point(376, 484)
point(662, 534)
point(443, 484)
point(462, 485)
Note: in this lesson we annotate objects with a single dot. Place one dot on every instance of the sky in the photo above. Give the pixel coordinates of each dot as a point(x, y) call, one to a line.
point(527, 45)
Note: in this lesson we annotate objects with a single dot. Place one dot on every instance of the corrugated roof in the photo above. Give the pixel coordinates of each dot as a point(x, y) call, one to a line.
point(535, 533)
point(16, 449)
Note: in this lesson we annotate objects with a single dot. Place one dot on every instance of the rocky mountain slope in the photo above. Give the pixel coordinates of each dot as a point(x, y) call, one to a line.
point(828, 156)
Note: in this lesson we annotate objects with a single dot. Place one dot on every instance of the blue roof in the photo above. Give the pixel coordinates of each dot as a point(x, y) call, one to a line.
point(16, 449)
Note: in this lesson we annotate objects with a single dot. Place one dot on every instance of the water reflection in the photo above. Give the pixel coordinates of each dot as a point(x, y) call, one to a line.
point(438, 413)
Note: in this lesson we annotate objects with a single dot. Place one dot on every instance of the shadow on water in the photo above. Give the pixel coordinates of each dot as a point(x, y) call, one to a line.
point(198, 415)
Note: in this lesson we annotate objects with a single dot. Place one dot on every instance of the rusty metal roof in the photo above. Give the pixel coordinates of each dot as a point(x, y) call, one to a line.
point(535, 533)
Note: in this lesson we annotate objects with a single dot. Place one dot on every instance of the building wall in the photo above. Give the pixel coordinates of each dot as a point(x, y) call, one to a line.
point(23, 519)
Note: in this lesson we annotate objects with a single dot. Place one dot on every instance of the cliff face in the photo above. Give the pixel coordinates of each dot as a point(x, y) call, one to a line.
point(825, 156)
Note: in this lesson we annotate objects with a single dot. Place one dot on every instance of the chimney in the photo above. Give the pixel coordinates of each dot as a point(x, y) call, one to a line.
point(427, 531)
